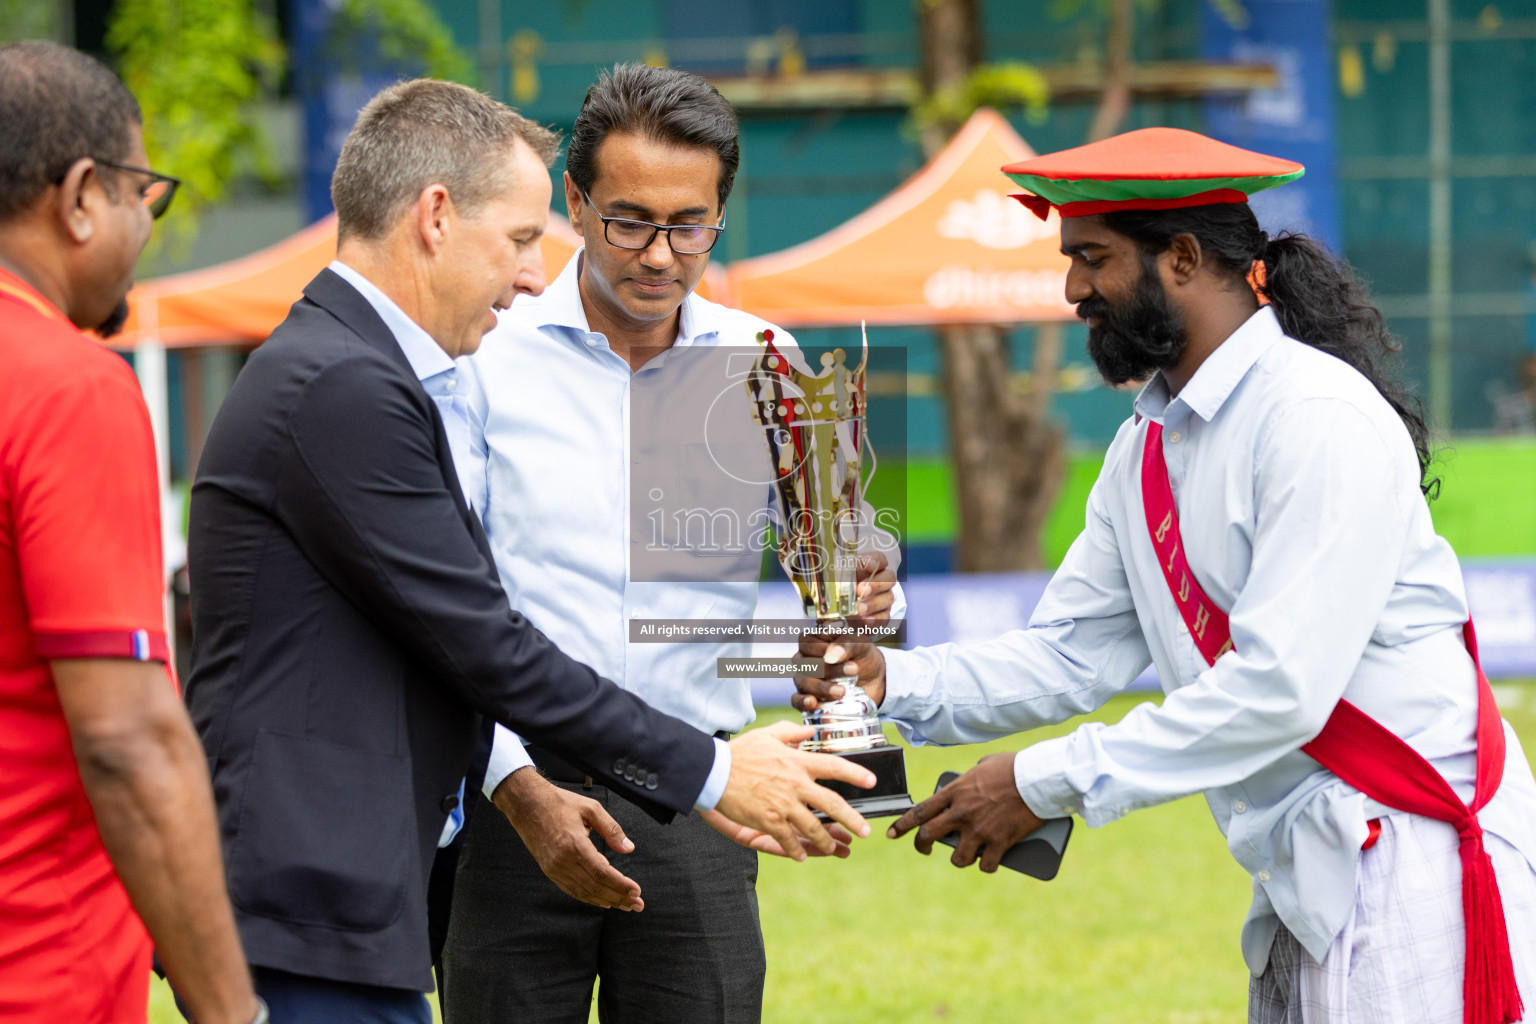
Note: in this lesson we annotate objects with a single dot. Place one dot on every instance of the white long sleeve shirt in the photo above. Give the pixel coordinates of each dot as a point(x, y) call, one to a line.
point(567, 423)
point(1297, 490)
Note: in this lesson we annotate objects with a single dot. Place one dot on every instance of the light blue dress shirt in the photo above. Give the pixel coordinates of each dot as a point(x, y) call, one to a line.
point(557, 403)
point(1298, 496)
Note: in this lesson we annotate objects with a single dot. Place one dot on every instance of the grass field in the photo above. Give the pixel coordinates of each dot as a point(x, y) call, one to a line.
point(1140, 927)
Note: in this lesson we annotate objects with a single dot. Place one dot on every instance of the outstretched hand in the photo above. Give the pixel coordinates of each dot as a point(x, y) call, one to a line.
point(983, 805)
point(772, 789)
point(762, 842)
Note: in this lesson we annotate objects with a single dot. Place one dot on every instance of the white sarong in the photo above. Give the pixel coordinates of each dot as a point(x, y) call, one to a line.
point(1399, 957)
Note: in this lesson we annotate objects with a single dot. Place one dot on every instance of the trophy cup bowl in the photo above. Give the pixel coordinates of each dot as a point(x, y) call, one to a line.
point(847, 724)
point(814, 428)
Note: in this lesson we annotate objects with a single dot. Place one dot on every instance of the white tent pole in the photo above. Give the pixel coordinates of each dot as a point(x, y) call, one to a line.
point(150, 365)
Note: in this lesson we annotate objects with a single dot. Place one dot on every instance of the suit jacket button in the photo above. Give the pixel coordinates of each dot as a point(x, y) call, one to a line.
point(629, 773)
point(618, 766)
point(652, 781)
point(450, 803)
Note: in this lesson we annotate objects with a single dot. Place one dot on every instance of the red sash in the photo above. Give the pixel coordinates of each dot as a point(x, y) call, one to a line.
point(1363, 753)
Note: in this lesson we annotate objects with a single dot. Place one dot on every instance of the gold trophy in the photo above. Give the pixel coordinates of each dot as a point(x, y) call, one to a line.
point(815, 429)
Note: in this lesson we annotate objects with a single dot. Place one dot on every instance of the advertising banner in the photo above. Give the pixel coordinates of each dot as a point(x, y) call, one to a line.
point(974, 608)
point(1295, 120)
point(332, 91)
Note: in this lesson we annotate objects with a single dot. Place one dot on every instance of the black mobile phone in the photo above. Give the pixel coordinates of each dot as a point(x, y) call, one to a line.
point(1037, 854)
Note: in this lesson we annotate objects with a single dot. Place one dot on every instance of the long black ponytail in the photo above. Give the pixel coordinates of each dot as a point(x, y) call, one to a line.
point(1315, 295)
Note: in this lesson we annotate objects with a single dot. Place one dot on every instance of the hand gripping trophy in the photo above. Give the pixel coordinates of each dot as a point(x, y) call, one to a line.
point(815, 429)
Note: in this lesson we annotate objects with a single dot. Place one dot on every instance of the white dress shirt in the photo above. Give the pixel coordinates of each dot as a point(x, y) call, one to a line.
point(557, 403)
point(1298, 496)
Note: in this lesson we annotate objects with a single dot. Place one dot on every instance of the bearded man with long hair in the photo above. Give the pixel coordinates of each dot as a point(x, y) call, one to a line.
point(1260, 532)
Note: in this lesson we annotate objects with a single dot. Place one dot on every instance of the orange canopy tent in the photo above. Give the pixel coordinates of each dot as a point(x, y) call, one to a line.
point(948, 246)
point(241, 301)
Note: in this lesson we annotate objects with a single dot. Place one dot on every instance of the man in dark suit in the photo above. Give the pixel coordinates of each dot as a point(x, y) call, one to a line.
point(349, 626)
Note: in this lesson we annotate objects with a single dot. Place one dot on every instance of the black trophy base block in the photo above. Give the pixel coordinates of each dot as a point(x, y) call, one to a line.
point(888, 798)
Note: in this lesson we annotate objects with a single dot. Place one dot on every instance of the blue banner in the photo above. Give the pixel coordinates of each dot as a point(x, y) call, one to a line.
point(1294, 120)
point(971, 609)
point(333, 78)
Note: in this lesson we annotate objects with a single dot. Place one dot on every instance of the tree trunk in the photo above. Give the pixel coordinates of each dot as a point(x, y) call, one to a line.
point(949, 32)
point(1115, 102)
point(1005, 451)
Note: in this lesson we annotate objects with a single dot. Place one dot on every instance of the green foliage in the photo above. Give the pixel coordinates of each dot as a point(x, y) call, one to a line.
point(403, 33)
point(197, 69)
point(1004, 85)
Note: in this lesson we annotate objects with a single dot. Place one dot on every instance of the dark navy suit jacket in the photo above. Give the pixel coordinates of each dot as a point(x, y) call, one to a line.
point(348, 630)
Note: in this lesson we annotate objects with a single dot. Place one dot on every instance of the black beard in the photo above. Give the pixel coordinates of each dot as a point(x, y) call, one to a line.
point(1137, 337)
point(114, 322)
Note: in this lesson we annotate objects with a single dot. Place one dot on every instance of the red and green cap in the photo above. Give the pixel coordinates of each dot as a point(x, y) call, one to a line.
point(1148, 169)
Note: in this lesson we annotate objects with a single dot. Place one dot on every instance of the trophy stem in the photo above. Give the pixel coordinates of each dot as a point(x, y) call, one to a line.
point(850, 723)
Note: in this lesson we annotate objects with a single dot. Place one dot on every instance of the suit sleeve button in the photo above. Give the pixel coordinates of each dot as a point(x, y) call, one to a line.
point(651, 781)
point(618, 767)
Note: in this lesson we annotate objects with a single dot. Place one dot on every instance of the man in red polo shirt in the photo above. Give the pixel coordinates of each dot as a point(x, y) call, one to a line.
point(106, 815)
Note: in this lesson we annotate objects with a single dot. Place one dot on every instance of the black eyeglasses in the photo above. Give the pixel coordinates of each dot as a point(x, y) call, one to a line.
point(156, 195)
point(685, 239)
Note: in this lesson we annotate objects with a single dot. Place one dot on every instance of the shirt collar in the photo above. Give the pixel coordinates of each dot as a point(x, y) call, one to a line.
point(426, 356)
point(560, 306)
point(1219, 375)
point(14, 287)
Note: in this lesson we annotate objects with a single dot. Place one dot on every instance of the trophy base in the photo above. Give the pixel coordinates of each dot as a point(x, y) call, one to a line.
point(888, 797)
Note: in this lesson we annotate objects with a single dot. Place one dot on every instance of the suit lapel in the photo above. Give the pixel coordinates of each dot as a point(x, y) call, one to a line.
point(332, 293)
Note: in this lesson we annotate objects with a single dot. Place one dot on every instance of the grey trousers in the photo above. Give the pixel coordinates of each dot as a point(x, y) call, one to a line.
point(1272, 997)
point(520, 951)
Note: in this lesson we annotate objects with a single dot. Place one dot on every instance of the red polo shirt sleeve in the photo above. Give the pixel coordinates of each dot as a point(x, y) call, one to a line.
point(80, 576)
point(87, 519)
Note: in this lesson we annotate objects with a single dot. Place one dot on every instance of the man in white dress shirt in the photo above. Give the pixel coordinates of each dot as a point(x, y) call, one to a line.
point(573, 389)
point(1296, 470)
